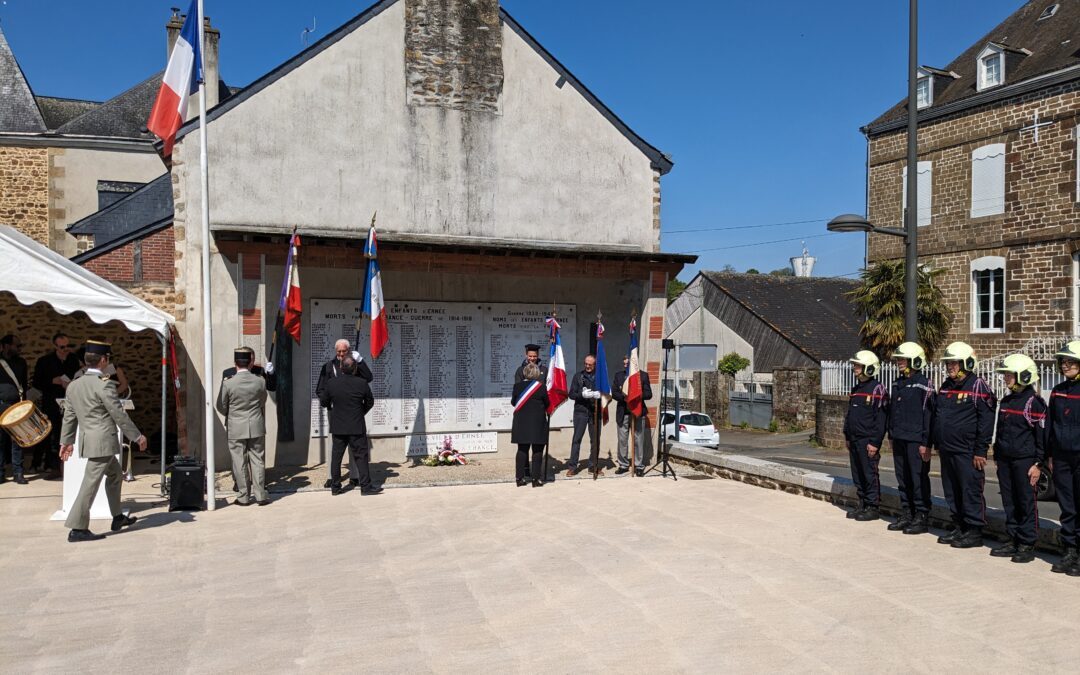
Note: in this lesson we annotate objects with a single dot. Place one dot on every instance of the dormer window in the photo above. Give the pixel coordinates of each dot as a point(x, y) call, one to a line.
point(924, 92)
point(991, 69)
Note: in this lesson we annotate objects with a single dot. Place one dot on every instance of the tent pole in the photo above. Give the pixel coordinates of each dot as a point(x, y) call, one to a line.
point(164, 387)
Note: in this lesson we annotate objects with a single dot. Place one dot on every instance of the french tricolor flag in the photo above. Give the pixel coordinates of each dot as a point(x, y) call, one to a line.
point(374, 306)
point(632, 385)
point(291, 305)
point(182, 77)
point(556, 377)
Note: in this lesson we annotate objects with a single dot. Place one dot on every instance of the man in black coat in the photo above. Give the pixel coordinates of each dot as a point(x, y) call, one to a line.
point(13, 386)
point(332, 369)
point(584, 393)
point(622, 420)
point(266, 374)
point(348, 398)
point(52, 374)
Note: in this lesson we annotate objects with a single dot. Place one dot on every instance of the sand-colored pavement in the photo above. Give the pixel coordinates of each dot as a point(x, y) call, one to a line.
point(627, 575)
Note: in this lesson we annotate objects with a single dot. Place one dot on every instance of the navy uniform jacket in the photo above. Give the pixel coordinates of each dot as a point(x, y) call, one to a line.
point(583, 380)
point(1064, 418)
point(964, 416)
point(868, 410)
point(620, 397)
point(911, 408)
point(1021, 427)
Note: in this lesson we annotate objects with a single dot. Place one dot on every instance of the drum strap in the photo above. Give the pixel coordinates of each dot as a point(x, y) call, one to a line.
point(7, 369)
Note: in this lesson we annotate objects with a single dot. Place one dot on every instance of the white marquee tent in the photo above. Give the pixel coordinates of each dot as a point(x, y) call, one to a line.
point(33, 273)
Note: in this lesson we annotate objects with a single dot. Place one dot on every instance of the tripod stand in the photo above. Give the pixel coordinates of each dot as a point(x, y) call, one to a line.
point(662, 446)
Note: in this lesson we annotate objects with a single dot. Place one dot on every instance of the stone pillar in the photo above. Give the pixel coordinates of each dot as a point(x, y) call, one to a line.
point(794, 396)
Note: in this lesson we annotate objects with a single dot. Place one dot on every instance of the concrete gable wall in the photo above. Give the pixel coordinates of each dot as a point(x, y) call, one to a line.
point(334, 140)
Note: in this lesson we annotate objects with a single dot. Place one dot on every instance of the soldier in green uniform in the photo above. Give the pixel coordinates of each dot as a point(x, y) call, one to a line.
point(242, 400)
point(93, 404)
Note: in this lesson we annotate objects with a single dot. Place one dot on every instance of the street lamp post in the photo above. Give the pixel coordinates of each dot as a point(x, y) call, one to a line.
point(853, 223)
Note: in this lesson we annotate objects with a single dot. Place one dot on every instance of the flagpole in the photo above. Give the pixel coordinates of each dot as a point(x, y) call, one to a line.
point(208, 341)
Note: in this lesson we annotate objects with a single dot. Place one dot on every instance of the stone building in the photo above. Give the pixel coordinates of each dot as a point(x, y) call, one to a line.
point(997, 181)
point(497, 176)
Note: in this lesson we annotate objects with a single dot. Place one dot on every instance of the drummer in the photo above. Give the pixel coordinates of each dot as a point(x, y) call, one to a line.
point(13, 386)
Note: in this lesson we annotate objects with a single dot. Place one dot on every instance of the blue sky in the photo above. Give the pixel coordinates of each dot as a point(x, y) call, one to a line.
point(759, 103)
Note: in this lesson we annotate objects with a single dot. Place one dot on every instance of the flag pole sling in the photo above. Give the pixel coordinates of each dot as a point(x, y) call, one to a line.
point(208, 342)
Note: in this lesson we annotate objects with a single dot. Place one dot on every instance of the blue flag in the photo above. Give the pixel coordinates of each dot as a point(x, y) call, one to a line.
point(603, 382)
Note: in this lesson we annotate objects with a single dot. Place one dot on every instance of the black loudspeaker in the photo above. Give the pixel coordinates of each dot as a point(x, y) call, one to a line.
point(187, 486)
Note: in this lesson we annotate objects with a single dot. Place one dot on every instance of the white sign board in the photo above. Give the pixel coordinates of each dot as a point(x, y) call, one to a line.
point(467, 443)
point(449, 366)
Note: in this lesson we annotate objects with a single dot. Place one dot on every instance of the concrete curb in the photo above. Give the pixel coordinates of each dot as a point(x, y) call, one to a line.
point(835, 489)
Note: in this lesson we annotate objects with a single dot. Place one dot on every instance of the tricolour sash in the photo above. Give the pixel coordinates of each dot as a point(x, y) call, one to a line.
point(527, 394)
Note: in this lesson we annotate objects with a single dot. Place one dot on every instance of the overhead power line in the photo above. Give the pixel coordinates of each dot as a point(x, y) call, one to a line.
point(763, 243)
point(746, 227)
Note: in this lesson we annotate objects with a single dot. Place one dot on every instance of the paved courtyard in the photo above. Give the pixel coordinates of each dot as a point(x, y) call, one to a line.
point(617, 575)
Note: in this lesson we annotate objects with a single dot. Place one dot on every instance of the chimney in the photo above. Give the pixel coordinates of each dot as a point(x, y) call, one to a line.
point(210, 59)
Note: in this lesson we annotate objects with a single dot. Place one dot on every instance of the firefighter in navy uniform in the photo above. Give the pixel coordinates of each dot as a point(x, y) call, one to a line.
point(962, 427)
point(911, 408)
point(1063, 453)
point(1019, 449)
point(864, 429)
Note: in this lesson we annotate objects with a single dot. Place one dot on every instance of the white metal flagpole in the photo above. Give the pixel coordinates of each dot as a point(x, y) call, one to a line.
point(208, 342)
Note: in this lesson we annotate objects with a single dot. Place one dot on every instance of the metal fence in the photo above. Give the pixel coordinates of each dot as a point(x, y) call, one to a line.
point(838, 378)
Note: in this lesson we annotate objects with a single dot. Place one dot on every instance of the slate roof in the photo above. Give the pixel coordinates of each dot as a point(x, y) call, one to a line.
point(58, 111)
point(1050, 41)
point(123, 115)
point(18, 109)
point(133, 216)
point(812, 313)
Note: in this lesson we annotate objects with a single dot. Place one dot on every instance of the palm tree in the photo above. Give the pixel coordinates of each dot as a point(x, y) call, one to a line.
point(880, 299)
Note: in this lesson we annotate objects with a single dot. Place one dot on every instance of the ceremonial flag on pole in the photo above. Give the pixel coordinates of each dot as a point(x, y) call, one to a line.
point(181, 80)
point(291, 306)
point(373, 296)
point(632, 385)
point(556, 377)
point(603, 384)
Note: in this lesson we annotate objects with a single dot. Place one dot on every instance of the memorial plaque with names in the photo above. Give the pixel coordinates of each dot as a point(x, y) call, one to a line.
point(449, 366)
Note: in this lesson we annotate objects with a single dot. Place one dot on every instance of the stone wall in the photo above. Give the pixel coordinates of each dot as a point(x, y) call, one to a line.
point(139, 354)
point(24, 191)
point(714, 392)
point(794, 391)
point(1037, 233)
point(829, 420)
point(453, 54)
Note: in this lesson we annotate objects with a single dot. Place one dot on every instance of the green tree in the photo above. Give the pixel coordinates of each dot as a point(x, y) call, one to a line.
point(674, 289)
point(880, 298)
point(753, 270)
point(732, 363)
point(782, 272)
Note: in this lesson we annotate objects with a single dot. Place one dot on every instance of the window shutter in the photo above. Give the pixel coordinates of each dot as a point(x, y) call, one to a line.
point(925, 193)
point(988, 180)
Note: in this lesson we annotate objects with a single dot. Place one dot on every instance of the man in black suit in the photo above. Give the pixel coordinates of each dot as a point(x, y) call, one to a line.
point(330, 370)
point(348, 398)
point(52, 374)
point(532, 355)
point(622, 421)
point(266, 374)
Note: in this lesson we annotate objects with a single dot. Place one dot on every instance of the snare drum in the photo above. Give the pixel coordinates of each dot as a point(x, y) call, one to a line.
point(26, 425)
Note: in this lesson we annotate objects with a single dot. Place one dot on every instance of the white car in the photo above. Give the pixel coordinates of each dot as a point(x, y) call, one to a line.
point(695, 428)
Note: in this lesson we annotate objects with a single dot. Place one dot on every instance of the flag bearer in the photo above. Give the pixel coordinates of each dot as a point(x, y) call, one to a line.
point(864, 429)
point(910, 410)
point(961, 431)
point(1019, 449)
point(1063, 451)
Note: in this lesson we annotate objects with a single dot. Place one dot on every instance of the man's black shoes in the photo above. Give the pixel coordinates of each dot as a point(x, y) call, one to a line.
point(969, 539)
point(867, 514)
point(951, 536)
point(899, 525)
point(122, 521)
point(1025, 553)
point(1004, 551)
point(621, 470)
point(371, 490)
point(83, 535)
point(918, 525)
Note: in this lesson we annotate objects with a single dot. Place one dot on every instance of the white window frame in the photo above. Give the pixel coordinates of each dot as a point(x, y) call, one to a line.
point(1077, 159)
point(1076, 293)
point(988, 206)
point(987, 264)
point(928, 81)
point(925, 212)
point(990, 52)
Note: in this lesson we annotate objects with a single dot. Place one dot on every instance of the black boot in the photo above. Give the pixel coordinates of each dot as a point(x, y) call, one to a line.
point(970, 539)
point(902, 522)
point(1025, 553)
point(951, 536)
point(856, 511)
point(868, 514)
point(1004, 551)
point(1067, 561)
point(918, 524)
